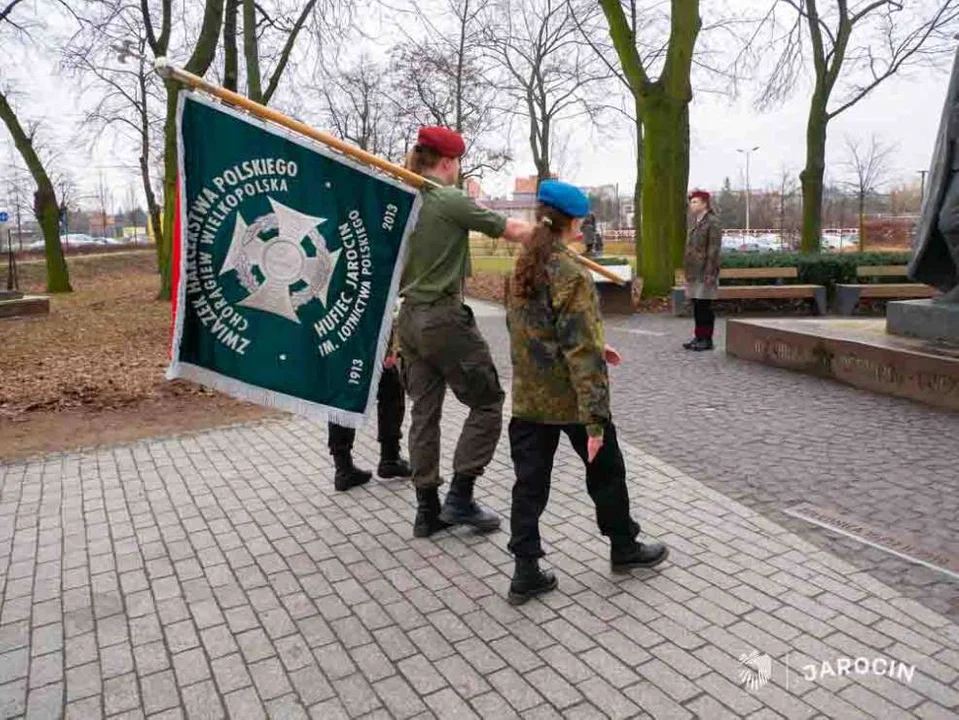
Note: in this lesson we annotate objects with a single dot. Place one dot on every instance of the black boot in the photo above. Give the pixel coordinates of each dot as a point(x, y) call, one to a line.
point(460, 509)
point(392, 464)
point(347, 474)
point(702, 344)
point(625, 556)
point(689, 343)
point(529, 581)
point(427, 519)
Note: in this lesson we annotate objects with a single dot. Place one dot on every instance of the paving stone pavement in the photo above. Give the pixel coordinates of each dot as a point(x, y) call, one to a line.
point(219, 575)
point(772, 439)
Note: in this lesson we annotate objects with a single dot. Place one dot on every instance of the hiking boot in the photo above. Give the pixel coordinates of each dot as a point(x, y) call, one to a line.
point(392, 464)
point(689, 343)
point(625, 557)
point(427, 519)
point(529, 581)
point(700, 344)
point(347, 474)
point(460, 509)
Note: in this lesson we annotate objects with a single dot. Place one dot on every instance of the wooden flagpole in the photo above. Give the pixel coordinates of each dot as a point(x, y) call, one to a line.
point(166, 70)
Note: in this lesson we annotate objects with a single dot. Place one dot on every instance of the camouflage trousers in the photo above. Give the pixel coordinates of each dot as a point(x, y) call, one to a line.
point(441, 347)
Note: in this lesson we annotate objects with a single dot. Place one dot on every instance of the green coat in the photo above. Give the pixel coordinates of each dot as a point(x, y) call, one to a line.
point(702, 259)
point(557, 348)
point(438, 255)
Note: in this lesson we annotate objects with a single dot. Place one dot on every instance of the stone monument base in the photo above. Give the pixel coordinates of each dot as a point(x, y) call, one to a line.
point(925, 319)
point(18, 304)
point(857, 352)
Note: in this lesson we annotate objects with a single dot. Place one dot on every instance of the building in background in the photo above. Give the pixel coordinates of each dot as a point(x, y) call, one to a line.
point(612, 212)
point(523, 204)
point(102, 225)
point(472, 188)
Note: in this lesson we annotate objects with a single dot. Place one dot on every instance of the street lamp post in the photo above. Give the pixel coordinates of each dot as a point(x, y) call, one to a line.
point(922, 186)
point(747, 153)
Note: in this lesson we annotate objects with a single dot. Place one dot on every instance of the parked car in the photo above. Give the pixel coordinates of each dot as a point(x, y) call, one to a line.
point(77, 240)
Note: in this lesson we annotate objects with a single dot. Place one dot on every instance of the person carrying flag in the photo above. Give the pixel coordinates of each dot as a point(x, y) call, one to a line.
point(440, 343)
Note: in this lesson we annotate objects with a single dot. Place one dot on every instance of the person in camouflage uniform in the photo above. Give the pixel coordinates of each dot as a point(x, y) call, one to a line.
point(703, 248)
point(561, 385)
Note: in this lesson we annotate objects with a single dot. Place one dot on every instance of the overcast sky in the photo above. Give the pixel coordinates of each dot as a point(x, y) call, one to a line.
point(904, 111)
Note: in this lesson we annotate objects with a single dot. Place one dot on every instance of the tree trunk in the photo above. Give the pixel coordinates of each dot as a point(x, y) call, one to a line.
point(251, 52)
point(44, 204)
point(812, 177)
point(165, 235)
point(198, 64)
point(638, 189)
point(665, 181)
point(230, 61)
point(48, 214)
point(153, 209)
point(862, 222)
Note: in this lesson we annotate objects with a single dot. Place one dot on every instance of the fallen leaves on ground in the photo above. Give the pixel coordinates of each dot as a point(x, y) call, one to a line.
point(103, 346)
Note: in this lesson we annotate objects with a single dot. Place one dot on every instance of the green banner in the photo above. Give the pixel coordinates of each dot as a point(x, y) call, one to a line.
point(288, 259)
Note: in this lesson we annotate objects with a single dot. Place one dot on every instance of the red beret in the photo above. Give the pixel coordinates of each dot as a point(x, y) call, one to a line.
point(446, 142)
point(701, 194)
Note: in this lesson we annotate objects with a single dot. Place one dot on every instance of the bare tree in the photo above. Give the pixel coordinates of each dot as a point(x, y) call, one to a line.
point(18, 22)
point(17, 184)
point(551, 76)
point(130, 97)
point(869, 164)
point(443, 77)
point(69, 194)
point(356, 107)
point(270, 33)
point(853, 48)
point(786, 190)
point(200, 49)
point(104, 197)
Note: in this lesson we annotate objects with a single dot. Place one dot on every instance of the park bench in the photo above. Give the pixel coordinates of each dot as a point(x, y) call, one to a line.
point(16, 304)
point(848, 295)
point(815, 293)
point(615, 299)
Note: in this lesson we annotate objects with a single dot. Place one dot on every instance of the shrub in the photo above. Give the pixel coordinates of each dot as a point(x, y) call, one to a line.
point(610, 260)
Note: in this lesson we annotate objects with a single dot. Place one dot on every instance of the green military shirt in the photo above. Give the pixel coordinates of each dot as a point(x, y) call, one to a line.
point(438, 256)
point(557, 348)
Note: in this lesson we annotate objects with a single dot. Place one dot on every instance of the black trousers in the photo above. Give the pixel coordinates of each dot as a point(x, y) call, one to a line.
point(533, 446)
point(704, 317)
point(390, 407)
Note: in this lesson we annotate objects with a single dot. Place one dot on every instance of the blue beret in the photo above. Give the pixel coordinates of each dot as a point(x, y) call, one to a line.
point(566, 198)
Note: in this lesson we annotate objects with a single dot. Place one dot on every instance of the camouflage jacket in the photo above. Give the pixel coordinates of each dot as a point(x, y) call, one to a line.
point(557, 348)
point(702, 258)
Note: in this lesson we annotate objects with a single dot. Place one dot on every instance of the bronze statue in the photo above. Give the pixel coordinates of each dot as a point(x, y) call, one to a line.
point(935, 259)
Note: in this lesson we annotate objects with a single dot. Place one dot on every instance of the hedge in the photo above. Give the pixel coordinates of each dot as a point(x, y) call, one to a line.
point(610, 260)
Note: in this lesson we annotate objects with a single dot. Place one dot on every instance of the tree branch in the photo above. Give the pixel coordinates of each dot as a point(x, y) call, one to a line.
point(624, 42)
point(287, 49)
point(9, 9)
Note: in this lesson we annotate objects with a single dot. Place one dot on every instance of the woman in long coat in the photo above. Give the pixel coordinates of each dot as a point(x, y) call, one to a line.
point(703, 247)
